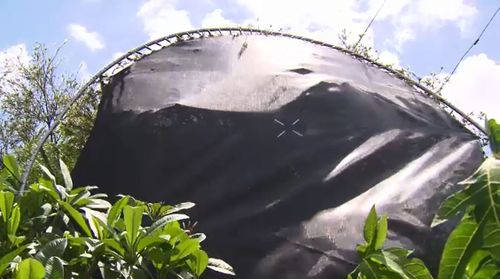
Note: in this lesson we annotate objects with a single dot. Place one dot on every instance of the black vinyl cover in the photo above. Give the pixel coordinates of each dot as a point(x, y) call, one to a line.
point(284, 146)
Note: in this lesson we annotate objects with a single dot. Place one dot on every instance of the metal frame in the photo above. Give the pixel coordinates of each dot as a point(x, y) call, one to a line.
point(138, 53)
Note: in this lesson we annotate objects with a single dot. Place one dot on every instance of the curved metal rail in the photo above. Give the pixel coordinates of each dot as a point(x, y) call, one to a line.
point(138, 53)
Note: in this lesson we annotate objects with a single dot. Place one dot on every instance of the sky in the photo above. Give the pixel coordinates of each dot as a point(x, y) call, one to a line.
point(424, 35)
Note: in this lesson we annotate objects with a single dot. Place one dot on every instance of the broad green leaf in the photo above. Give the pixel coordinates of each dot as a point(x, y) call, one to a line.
point(10, 163)
point(114, 245)
point(476, 261)
point(489, 271)
point(461, 244)
point(6, 203)
point(68, 182)
point(494, 132)
point(54, 268)
point(491, 238)
point(481, 188)
point(30, 269)
point(370, 228)
point(220, 266)
point(185, 248)
point(14, 220)
point(416, 269)
point(7, 258)
point(54, 248)
point(388, 260)
point(116, 210)
point(381, 233)
point(133, 219)
point(198, 262)
point(160, 223)
point(148, 241)
point(77, 217)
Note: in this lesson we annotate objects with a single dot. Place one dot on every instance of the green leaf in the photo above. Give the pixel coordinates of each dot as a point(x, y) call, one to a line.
point(30, 269)
point(220, 266)
point(116, 210)
point(6, 202)
point(416, 269)
point(148, 241)
point(491, 238)
point(198, 262)
point(381, 233)
point(54, 268)
point(114, 245)
point(68, 182)
point(14, 220)
point(160, 223)
point(54, 248)
point(461, 244)
point(494, 132)
point(10, 163)
point(370, 228)
point(179, 207)
point(133, 219)
point(489, 271)
point(387, 260)
point(77, 217)
point(185, 248)
point(481, 188)
point(7, 258)
point(476, 261)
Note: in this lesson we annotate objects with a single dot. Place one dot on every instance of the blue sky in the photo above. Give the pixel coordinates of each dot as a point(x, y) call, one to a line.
point(423, 35)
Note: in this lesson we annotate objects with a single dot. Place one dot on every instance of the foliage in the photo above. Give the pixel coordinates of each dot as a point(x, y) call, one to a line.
point(30, 101)
point(58, 231)
point(494, 132)
point(377, 262)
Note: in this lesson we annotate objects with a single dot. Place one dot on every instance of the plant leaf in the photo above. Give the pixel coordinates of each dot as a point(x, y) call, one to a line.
point(7, 258)
point(179, 207)
point(133, 219)
point(10, 163)
point(487, 272)
point(185, 248)
point(370, 228)
point(116, 210)
point(491, 238)
point(54, 248)
point(14, 220)
point(476, 261)
point(165, 220)
point(76, 216)
point(462, 242)
point(6, 203)
point(481, 188)
point(54, 268)
point(220, 266)
point(198, 262)
point(381, 233)
point(68, 182)
point(30, 269)
point(494, 133)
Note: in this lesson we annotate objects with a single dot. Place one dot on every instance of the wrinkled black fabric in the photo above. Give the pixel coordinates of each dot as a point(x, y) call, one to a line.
point(284, 146)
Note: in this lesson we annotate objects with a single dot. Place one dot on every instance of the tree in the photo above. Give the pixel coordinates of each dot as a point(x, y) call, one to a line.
point(31, 99)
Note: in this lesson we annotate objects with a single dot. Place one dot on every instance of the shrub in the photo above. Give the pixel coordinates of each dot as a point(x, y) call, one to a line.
point(58, 231)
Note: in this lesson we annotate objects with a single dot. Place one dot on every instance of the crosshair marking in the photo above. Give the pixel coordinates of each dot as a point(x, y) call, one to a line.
point(289, 128)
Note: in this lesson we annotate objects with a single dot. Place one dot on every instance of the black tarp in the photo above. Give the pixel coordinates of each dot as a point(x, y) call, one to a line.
point(284, 146)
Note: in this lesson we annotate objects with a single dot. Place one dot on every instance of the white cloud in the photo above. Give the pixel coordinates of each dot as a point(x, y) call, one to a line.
point(474, 87)
point(160, 18)
point(215, 19)
point(410, 18)
point(10, 59)
point(91, 39)
point(389, 58)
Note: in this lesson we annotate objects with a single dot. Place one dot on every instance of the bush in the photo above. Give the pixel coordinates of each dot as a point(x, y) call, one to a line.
point(57, 231)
